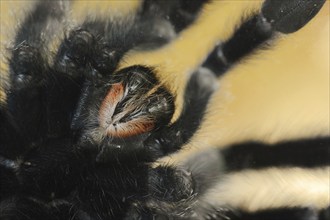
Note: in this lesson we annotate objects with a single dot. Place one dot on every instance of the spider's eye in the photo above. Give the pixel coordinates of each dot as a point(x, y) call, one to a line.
point(136, 103)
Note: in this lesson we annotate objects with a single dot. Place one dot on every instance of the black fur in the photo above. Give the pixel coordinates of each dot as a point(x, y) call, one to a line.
point(249, 36)
point(52, 166)
point(289, 16)
point(306, 153)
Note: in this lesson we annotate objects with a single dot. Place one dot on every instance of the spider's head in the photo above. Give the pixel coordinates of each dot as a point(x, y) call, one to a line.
point(124, 109)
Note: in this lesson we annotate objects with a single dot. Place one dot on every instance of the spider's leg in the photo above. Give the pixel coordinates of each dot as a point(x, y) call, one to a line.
point(28, 70)
point(235, 168)
point(199, 89)
point(253, 171)
point(76, 51)
point(298, 213)
point(260, 29)
point(65, 84)
point(250, 35)
point(253, 155)
point(289, 16)
point(169, 190)
point(294, 213)
point(174, 189)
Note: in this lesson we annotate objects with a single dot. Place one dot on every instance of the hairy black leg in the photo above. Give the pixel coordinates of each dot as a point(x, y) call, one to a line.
point(297, 213)
point(160, 204)
point(174, 191)
point(306, 153)
point(41, 98)
point(170, 184)
point(25, 99)
point(75, 52)
point(211, 213)
point(197, 94)
point(276, 16)
point(95, 48)
point(28, 71)
point(49, 98)
point(285, 213)
point(27, 63)
point(288, 16)
point(170, 192)
point(249, 36)
point(65, 82)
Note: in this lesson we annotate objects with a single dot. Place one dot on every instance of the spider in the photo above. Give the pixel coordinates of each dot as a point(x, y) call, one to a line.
point(81, 128)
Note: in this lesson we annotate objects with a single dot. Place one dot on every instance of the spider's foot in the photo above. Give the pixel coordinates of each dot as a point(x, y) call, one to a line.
point(27, 66)
point(74, 53)
point(288, 16)
point(82, 54)
point(170, 185)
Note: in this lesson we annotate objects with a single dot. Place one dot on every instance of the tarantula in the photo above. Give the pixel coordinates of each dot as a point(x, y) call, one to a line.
point(79, 131)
